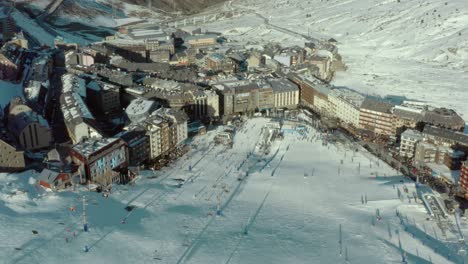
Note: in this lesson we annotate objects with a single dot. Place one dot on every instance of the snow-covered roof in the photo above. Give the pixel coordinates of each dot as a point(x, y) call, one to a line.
point(413, 134)
point(73, 83)
point(31, 92)
point(24, 119)
point(48, 176)
point(91, 146)
point(139, 108)
point(283, 85)
point(349, 96)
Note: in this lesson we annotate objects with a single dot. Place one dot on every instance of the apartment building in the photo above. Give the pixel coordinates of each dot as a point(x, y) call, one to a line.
point(376, 116)
point(409, 139)
point(285, 92)
point(346, 105)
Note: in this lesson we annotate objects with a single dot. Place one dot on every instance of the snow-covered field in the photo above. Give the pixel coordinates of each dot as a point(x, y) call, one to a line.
point(287, 208)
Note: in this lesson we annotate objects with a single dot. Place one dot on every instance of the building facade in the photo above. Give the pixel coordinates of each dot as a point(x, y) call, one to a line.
point(406, 117)
point(103, 97)
point(464, 177)
point(425, 153)
point(346, 105)
point(376, 116)
point(8, 69)
point(138, 144)
point(409, 139)
point(445, 137)
point(31, 130)
point(11, 159)
point(286, 94)
point(100, 160)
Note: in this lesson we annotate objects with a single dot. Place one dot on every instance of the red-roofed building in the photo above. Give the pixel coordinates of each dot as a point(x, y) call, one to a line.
point(54, 180)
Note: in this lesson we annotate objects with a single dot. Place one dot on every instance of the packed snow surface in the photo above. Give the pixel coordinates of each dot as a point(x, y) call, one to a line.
point(259, 202)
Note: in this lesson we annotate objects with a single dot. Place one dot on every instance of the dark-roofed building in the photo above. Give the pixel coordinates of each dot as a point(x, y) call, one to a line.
point(218, 62)
point(114, 76)
point(285, 92)
point(138, 144)
point(376, 116)
point(313, 93)
point(407, 117)
point(444, 118)
point(238, 96)
point(31, 130)
point(445, 137)
point(103, 98)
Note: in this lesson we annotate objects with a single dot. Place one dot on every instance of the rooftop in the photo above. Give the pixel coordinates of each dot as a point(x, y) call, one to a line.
point(313, 82)
point(444, 117)
point(377, 105)
point(408, 113)
point(283, 85)
point(139, 107)
point(73, 83)
point(349, 96)
point(202, 36)
point(446, 134)
point(411, 133)
point(91, 146)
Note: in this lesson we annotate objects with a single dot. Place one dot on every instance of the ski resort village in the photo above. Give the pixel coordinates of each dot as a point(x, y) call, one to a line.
point(246, 132)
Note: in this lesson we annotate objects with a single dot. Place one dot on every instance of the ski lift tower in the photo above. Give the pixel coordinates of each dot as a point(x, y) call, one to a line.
point(85, 221)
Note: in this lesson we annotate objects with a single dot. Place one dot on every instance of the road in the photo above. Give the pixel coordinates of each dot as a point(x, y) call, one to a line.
point(269, 24)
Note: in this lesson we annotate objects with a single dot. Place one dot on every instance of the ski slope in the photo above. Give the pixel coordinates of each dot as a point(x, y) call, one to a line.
point(287, 208)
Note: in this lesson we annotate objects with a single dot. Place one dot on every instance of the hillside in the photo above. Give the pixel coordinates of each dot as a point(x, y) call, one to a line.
point(417, 49)
point(186, 6)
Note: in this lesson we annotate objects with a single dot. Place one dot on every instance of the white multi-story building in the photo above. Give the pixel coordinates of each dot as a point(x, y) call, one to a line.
point(179, 120)
point(153, 131)
point(78, 119)
point(346, 105)
point(409, 139)
point(323, 106)
point(286, 93)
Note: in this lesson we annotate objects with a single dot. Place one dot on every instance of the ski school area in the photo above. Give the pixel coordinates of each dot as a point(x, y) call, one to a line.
point(266, 199)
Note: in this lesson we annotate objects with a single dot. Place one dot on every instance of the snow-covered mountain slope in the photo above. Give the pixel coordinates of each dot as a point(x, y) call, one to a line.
point(417, 49)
